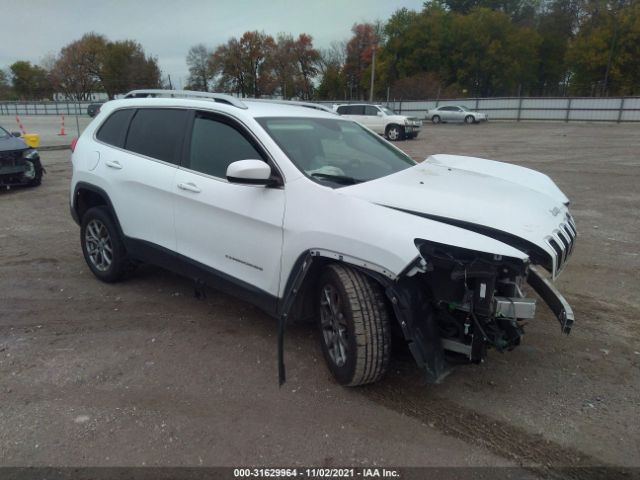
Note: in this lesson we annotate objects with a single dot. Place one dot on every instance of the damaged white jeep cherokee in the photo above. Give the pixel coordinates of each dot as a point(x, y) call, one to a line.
point(311, 216)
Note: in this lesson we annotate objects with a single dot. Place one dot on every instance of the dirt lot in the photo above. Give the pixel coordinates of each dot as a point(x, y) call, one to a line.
point(141, 373)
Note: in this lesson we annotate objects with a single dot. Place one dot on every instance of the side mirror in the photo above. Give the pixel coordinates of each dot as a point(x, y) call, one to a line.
point(251, 172)
point(16, 134)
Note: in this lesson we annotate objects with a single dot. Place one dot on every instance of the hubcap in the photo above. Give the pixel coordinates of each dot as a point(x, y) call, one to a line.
point(334, 325)
point(394, 134)
point(98, 243)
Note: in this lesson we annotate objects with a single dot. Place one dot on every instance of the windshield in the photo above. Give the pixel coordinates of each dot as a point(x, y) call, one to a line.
point(4, 133)
point(335, 152)
point(388, 111)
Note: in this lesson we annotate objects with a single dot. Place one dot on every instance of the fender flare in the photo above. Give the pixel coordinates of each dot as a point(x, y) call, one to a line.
point(99, 191)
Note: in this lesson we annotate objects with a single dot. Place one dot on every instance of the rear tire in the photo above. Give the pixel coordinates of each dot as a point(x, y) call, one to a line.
point(354, 326)
point(435, 119)
point(102, 246)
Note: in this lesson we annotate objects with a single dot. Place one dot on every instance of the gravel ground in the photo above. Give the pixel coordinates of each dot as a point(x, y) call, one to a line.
point(141, 373)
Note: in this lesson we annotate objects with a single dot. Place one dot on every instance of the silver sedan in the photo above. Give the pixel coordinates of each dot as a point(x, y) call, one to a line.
point(456, 113)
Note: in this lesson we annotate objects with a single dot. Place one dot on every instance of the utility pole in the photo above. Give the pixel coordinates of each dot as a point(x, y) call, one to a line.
point(373, 72)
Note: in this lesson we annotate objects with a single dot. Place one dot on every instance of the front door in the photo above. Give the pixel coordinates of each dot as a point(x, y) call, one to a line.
point(232, 230)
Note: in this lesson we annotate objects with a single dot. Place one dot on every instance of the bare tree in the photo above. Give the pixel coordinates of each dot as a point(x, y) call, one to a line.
point(198, 61)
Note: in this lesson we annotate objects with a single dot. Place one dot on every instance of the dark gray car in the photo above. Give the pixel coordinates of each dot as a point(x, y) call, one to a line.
point(19, 163)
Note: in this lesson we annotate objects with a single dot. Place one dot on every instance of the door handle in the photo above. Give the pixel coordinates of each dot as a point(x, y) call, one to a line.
point(113, 164)
point(190, 186)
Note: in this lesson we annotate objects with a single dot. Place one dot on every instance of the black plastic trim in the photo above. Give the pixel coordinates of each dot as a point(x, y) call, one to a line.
point(95, 189)
point(163, 257)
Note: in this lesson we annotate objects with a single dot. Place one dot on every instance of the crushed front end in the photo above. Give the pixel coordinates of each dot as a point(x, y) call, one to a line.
point(17, 166)
point(454, 304)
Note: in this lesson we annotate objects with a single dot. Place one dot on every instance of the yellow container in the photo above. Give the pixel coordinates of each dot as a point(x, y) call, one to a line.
point(31, 139)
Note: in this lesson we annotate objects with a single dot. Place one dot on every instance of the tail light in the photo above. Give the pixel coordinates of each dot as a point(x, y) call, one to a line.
point(73, 144)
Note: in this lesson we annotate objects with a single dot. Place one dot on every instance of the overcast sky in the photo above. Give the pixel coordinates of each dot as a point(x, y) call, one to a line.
point(31, 29)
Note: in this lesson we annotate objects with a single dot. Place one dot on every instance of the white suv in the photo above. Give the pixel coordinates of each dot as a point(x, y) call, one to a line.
point(311, 216)
point(381, 120)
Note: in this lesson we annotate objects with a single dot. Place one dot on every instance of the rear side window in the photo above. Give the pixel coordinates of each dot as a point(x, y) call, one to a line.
point(157, 133)
point(216, 144)
point(114, 130)
point(351, 110)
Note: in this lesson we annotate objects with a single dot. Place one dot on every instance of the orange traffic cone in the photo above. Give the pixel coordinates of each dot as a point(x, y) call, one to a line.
point(20, 126)
point(62, 126)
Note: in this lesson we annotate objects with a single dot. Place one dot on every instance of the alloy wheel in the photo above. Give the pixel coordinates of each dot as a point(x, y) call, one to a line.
point(334, 325)
point(98, 244)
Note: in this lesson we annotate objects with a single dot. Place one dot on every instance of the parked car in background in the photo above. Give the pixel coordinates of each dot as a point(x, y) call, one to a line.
point(456, 113)
point(19, 163)
point(93, 109)
point(381, 120)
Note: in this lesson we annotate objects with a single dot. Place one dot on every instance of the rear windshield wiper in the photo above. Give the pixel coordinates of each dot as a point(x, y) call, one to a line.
point(341, 179)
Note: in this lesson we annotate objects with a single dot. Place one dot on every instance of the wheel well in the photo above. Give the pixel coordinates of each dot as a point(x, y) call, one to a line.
point(303, 309)
point(86, 199)
point(391, 125)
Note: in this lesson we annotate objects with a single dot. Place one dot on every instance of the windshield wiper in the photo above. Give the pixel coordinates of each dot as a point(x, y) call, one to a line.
point(341, 179)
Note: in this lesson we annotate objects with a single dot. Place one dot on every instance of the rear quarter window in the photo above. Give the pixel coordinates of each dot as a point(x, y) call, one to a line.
point(114, 130)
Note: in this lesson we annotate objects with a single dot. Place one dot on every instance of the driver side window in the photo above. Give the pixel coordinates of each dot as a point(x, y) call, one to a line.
point(215, 145)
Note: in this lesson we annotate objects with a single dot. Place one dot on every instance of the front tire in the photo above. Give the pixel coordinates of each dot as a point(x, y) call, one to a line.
point(469, 119)
point(354, 325)
point(395, 133)
point(102, 246)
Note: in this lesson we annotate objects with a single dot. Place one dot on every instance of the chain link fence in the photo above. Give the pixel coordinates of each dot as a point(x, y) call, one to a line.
point(44, 108)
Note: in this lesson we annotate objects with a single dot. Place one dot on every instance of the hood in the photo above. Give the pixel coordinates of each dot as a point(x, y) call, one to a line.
point(507, 202)
point(11, 144)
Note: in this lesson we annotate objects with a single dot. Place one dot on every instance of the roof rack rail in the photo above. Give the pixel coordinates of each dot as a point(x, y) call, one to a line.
point(216, 97)
point(315, 106)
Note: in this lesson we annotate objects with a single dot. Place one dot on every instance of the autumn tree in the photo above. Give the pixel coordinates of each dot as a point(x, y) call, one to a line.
point(29, 81)
point(307, 60)
point(603, 57)
point(95, 64)
point(359, 54)
point(124, 66)
point(243, 65)
point(76, 72)
point(199, 63)
point(333, 84)
point(283, 62)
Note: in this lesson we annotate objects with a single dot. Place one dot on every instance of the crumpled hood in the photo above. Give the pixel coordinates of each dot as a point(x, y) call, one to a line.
point(12, 143)
point(504, 197)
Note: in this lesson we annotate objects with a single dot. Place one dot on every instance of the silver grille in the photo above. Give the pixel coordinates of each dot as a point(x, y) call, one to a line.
point(562, 241)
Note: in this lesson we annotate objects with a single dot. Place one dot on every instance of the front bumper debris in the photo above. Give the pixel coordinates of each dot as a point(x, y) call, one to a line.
point(553, 298)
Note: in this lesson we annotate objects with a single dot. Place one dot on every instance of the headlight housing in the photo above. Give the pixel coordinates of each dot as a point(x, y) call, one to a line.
point(30, 154)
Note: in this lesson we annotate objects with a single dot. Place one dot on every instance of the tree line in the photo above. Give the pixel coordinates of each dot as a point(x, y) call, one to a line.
point(449, 48)
point(91, 64)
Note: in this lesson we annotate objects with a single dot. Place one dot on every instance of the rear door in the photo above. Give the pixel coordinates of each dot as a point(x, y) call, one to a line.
point(139, 160)
point(232, 230)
